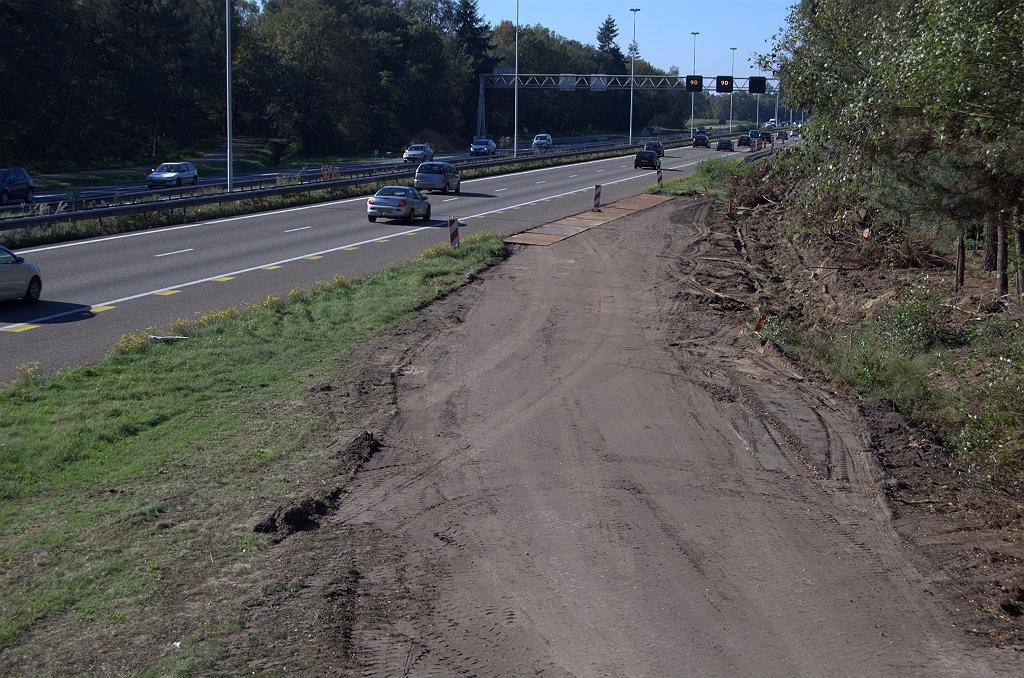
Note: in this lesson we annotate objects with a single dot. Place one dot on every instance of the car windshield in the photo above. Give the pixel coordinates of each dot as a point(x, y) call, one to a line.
point(393, 192)
point(643, 155)
point(168, 168)
point(3, 174)
point(415, 148)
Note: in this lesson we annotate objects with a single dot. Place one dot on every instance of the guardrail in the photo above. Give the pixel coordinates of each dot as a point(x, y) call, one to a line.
point(183, 198)
point(191, 196)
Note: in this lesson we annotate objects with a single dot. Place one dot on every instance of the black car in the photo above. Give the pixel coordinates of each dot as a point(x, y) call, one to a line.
point(15, 186)
point(725, 144)
point(647, 159)
point(655, 146)
point(767, 135)
point(701, 140)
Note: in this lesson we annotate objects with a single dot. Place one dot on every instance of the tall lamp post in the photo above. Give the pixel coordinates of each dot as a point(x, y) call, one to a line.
point(227, 32)
point(632, 62)
point(733, 74)
point(515, 132)
point(693, 95)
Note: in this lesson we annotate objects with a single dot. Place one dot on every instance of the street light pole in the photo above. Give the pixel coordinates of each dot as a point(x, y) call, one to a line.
point(693, 95)
point(515, 132)
point(632, 60)
point(733, 74)
point(227, 32)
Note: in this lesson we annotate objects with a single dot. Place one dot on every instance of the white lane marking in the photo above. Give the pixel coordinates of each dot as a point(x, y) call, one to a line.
point(542, 182)
point(167, 254)
point(449, 199)
point(260, 215)
point(292, 230)
point(573, 175)
point(499, 190)
point(349, 247)
point(599, 171)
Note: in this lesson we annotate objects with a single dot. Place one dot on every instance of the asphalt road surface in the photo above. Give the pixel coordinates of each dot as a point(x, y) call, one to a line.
point(96, 290)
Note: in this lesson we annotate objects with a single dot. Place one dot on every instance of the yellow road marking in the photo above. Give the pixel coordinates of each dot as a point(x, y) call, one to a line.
point(101, 309)
point(270, 268)
point(224, 278)
point(409, 234)
point(381, 240)
point(21, 328)
point(315, 256)
point(167, 293)
point(349, 249)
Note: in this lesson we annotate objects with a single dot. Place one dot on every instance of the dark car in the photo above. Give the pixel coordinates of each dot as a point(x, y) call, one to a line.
point(725, 144)
point(655, 146)
point(745, 140)
point(701, 129)
point(15, 186)
point(18, 278)
point(782, 135)
point(701, 140)
point(647, 159)
point(767, 136)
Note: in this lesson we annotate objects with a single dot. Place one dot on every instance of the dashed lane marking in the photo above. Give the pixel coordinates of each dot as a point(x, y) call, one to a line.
point(101, 309)
point(167, 254)
point(20, 328)
point(292, 230)
point(166, 293)
point(224, 278)
point(315, 256)
point(270, 268)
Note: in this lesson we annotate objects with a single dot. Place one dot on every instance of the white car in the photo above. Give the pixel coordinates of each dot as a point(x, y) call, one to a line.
point(397, 202)
point(483, 147)
point(173, 174)
point(542, 141)
point(418, 153)
point(18, 278)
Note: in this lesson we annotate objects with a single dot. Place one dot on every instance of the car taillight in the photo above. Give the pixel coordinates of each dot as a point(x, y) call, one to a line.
point(370, 201)
point(403, 203)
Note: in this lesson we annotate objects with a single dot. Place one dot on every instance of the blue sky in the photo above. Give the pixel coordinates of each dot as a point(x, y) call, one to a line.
point(662, 27)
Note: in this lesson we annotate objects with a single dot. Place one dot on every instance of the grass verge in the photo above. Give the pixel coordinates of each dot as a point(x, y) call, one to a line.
point(129, 488)
point(710, 176)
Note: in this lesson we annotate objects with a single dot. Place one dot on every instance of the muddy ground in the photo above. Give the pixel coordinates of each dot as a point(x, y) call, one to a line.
point(595, 469)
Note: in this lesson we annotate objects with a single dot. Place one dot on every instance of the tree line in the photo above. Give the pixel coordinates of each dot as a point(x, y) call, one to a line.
point(917, 109)
point(92, 81)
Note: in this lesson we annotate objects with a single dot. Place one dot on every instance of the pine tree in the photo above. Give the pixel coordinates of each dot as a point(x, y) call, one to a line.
point(612, 60)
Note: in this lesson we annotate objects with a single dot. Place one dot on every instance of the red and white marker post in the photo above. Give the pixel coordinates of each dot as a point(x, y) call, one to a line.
point(453, 231)
point(659, 178)
point(597, 198)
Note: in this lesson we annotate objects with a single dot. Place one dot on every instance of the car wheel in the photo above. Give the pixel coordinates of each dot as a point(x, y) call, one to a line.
point(4, 198)
point(372, 220)
point(30, 195)
point(195, 180)
point(444, 189)
point(458, 187)
point(426, 217)
point(178, 182)
point(35, 287)
point(409, 217)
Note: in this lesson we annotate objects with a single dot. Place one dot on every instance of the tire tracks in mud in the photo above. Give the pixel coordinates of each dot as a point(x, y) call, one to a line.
point(597, 472)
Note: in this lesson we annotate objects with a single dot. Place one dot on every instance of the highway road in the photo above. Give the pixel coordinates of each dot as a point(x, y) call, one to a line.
point(213, 175)
point(96, 290)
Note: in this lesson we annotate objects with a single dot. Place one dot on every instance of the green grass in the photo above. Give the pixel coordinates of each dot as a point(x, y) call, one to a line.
point(961, 379)
point(127, 485)
point(711, 176)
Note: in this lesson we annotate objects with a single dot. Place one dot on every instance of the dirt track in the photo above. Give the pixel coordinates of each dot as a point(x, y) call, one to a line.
point(594, 471)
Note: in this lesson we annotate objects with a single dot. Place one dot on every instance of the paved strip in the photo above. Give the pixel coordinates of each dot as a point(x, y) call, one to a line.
point(570, 226)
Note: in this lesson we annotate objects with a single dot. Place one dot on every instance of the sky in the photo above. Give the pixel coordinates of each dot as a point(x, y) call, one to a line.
point(662, 28)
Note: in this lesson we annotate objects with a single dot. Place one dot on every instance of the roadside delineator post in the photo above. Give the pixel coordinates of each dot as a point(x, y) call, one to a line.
point(597, 198)
point(453, 231)
point(659, 177)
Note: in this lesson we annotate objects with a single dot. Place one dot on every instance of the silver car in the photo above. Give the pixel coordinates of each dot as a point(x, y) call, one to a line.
point(437, 176)
point(483, 147)
point(397, 202)
point(418, 153)
point(173, 174)
point(18, 278)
